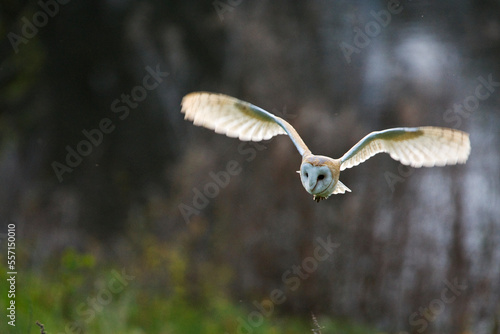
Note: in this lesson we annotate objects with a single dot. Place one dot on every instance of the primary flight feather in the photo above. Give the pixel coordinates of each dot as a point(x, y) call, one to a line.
point(418, 147)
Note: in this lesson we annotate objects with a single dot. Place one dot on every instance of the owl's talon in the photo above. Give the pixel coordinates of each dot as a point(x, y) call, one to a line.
point(318, 198)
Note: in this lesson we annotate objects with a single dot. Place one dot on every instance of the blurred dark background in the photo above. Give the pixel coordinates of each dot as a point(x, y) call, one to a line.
point(336, 70)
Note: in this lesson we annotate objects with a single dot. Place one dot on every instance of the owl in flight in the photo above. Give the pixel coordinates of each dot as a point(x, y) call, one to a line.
point(421, 146)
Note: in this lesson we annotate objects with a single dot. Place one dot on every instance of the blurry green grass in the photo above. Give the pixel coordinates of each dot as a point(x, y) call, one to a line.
point(73, 295)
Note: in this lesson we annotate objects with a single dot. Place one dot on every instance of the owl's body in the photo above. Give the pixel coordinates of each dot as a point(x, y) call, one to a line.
point(417, 147)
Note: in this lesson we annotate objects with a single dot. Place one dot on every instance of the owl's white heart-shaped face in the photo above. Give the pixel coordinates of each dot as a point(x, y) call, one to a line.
point(317, 180)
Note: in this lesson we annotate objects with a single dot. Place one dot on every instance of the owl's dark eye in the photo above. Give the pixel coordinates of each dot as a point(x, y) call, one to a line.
point(307, 175)
point(321, 177)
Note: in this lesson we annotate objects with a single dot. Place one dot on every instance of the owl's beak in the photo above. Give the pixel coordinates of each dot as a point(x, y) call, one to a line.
point(311, 183)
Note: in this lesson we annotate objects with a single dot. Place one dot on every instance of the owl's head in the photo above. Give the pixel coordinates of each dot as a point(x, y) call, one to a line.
point(319, 175)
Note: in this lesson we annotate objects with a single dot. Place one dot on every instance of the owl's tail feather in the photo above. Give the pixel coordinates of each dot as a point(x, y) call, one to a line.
point(340, 188)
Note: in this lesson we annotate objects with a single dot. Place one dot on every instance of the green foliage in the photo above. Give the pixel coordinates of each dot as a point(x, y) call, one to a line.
point(161, 291)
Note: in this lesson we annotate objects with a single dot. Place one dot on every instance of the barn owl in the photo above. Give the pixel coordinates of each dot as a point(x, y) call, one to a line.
point(419, 146)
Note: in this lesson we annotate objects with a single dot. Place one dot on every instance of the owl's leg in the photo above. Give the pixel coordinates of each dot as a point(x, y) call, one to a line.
point(318, 198)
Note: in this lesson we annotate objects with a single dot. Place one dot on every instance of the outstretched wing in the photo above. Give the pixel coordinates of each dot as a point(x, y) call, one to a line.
point(423, 146)
point(235, 118)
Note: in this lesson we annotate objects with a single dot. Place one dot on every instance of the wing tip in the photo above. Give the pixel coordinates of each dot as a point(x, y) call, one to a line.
point(198, 108)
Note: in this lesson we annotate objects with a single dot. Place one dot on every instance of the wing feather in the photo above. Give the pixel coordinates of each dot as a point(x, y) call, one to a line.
point(340, 188)
point(423, 146)
point(235, 118)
